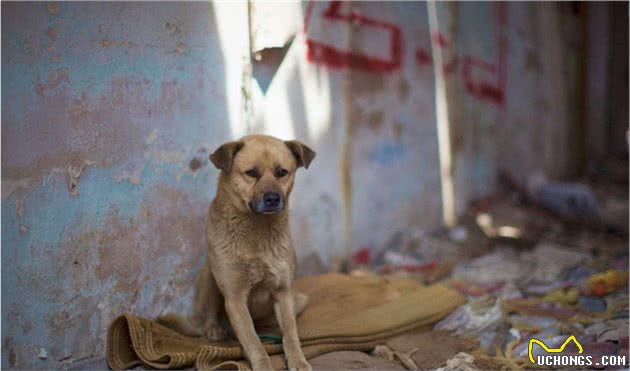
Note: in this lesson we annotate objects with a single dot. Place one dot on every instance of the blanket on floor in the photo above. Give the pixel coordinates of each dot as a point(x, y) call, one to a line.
point(345, 312)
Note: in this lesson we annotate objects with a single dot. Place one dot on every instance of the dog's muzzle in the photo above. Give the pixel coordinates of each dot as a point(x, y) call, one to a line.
point(270, 203)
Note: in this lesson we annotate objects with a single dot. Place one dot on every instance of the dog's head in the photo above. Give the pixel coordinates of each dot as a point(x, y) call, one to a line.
point(260, 171)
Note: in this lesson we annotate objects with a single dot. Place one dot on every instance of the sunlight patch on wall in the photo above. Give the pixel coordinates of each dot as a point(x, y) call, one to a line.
point(232, 25)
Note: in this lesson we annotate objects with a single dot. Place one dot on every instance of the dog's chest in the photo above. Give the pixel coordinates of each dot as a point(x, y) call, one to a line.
point(265, 271)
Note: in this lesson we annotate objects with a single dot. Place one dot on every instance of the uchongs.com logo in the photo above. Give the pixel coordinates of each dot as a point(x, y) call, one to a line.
point(553, 357)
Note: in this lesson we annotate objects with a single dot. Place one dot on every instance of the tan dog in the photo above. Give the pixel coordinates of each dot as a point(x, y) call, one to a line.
point(251, 260)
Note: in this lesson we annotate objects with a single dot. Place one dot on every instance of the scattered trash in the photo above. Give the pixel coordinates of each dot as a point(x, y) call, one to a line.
point(488, 226)
point(536, 307)
point(545, 288)
point(461, 362)
point(416, 247)
point(533, 324)
point(592, 304)
point(510, 291)
point(612, 330)
point(397, 259)
point(479, 317)
point(427, 350)
point(526, 274)
point(577, 274)
point(620, 263)
point(43, 354)
point(362, 256)
point(566, 199)
point(602, 284)
point(568, 295)
point(458, 234)
point(389, 354)
point(473, 289)
point(501, 266)
point(551, 261)
point(617, 304)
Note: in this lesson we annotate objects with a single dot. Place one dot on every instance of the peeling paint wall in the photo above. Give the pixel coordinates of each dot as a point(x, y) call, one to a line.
point(109, 113)
point(111, 109)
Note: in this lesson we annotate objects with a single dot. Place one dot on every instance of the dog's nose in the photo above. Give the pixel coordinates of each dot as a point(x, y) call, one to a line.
point(271, 199)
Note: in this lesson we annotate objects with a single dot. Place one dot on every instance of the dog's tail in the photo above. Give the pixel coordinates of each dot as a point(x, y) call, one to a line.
point(181, 324)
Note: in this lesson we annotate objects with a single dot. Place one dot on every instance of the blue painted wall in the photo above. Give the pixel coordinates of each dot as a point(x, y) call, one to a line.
point(109, 112)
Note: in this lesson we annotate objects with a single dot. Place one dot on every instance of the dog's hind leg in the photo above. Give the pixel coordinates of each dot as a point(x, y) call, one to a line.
point(181, 324)
point(205, 319)
point(208, 304)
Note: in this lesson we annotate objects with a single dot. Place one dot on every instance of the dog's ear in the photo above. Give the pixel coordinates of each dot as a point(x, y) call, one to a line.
point(303, 154)
point(223, 157)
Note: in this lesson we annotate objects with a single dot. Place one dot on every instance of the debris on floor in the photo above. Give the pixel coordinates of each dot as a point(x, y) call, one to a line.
point(353, 360)
point(461, 362)
point(548, 264)
point(427, 350)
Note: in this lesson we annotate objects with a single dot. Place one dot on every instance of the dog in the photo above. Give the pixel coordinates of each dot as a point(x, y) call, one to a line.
point(251, 261)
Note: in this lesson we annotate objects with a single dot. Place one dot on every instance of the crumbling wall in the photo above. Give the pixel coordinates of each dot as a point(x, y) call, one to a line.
point(109, 113)
point(111, 109)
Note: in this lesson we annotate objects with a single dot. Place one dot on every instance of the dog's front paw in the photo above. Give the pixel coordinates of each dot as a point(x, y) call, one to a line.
point(299, 364)
point(263, 363)
point(215, 332)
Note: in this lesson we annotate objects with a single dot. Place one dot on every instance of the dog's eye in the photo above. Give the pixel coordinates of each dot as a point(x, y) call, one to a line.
point(252, 173)
point(281, 173)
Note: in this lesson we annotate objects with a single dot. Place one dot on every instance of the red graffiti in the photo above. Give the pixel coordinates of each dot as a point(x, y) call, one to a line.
point(451, 66)
point(482, 79)
point(441, 40)
point(481, 89)
point(423, 57)
point(493, 91)
point(318, 52)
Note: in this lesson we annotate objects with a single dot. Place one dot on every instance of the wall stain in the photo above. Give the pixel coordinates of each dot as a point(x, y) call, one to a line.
point(375, 121)
point(74, 173)
point(52, 35)
point(200, 160)
point(134, 177)
point(53, 8)
point(107, 43)
point(398, 130)
point(26, 328)
point(97, 129)
point(366, 82)
point(403, 88)
point(55, 78)
point(119, 260)
point(532, 60)
point(194, 164)
point(19, 208)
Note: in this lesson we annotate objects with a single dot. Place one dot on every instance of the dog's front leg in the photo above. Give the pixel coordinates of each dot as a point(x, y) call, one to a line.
point(243, 326)
point(285, 314)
